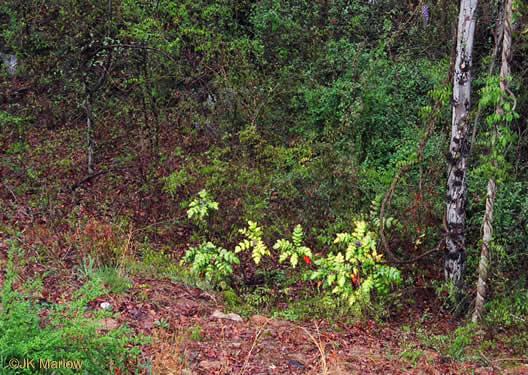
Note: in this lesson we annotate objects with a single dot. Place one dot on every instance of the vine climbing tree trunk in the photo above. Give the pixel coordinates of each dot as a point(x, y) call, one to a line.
point(459, 149)
point(487, 224)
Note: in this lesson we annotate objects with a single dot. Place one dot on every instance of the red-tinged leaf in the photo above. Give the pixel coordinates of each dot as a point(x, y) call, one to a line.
point(307, 260)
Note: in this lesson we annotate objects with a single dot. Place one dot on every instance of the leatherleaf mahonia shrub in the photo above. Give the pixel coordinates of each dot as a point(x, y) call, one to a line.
point(351, 273)
point(211, 262)
point(356, 273)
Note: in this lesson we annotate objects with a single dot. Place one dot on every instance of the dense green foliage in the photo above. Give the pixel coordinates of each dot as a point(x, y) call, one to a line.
point(357, 273)
point(352, 276)
point(210, 115)
point(63, 334)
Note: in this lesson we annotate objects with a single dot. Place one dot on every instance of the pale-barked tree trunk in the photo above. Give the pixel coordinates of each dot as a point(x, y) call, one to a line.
point(459, 148)
point(487, 222)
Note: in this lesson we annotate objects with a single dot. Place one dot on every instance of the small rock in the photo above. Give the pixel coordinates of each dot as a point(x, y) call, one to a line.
point(106, 305)
point(220, 315)
point(297, 357)
point(297, 365)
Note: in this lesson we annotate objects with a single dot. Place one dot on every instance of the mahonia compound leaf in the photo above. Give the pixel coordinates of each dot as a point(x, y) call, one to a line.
point(330, 279)
point(283, 245)
point(283, 256)
point(294, 260)
point(341, 280)
point(343, 238)
point(297, 235)
point(305, 251)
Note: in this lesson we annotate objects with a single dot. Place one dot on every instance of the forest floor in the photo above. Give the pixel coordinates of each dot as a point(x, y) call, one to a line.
point(198, 342)
point(199, 336)
point(58, 225)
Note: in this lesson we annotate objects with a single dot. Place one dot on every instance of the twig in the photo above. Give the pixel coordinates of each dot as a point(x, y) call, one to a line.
point(507, 89)
point(132, 46)
point(388, 198)
point(89, 178)
point(172, 221)
point(401, 28)
point(12, 193)
point(441, 244)
point(261, 329)
point(487, 360)
point(525, 359)
point(320, 347)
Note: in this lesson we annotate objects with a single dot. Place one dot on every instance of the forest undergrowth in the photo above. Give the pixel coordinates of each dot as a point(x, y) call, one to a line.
point(233, 187)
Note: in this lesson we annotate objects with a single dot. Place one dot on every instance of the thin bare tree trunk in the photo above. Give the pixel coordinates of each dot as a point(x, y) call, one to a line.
point(89, 129)
point(487, 225)
point(459, 149)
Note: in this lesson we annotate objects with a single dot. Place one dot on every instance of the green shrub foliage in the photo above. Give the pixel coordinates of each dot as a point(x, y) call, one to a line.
point(253, 240)
point(201, 207)
point(294, 250)
point(290, 111)
point(355, 274)
point(352, 275)
point(33, 331)
point(214, 263)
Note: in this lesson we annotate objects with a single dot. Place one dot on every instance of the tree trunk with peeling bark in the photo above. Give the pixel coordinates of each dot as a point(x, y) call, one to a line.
point(459, 149)
point(487, 225)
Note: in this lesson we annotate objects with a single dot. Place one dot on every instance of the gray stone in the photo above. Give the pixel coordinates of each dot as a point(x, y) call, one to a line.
point(219, 315)
point(106, 305)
